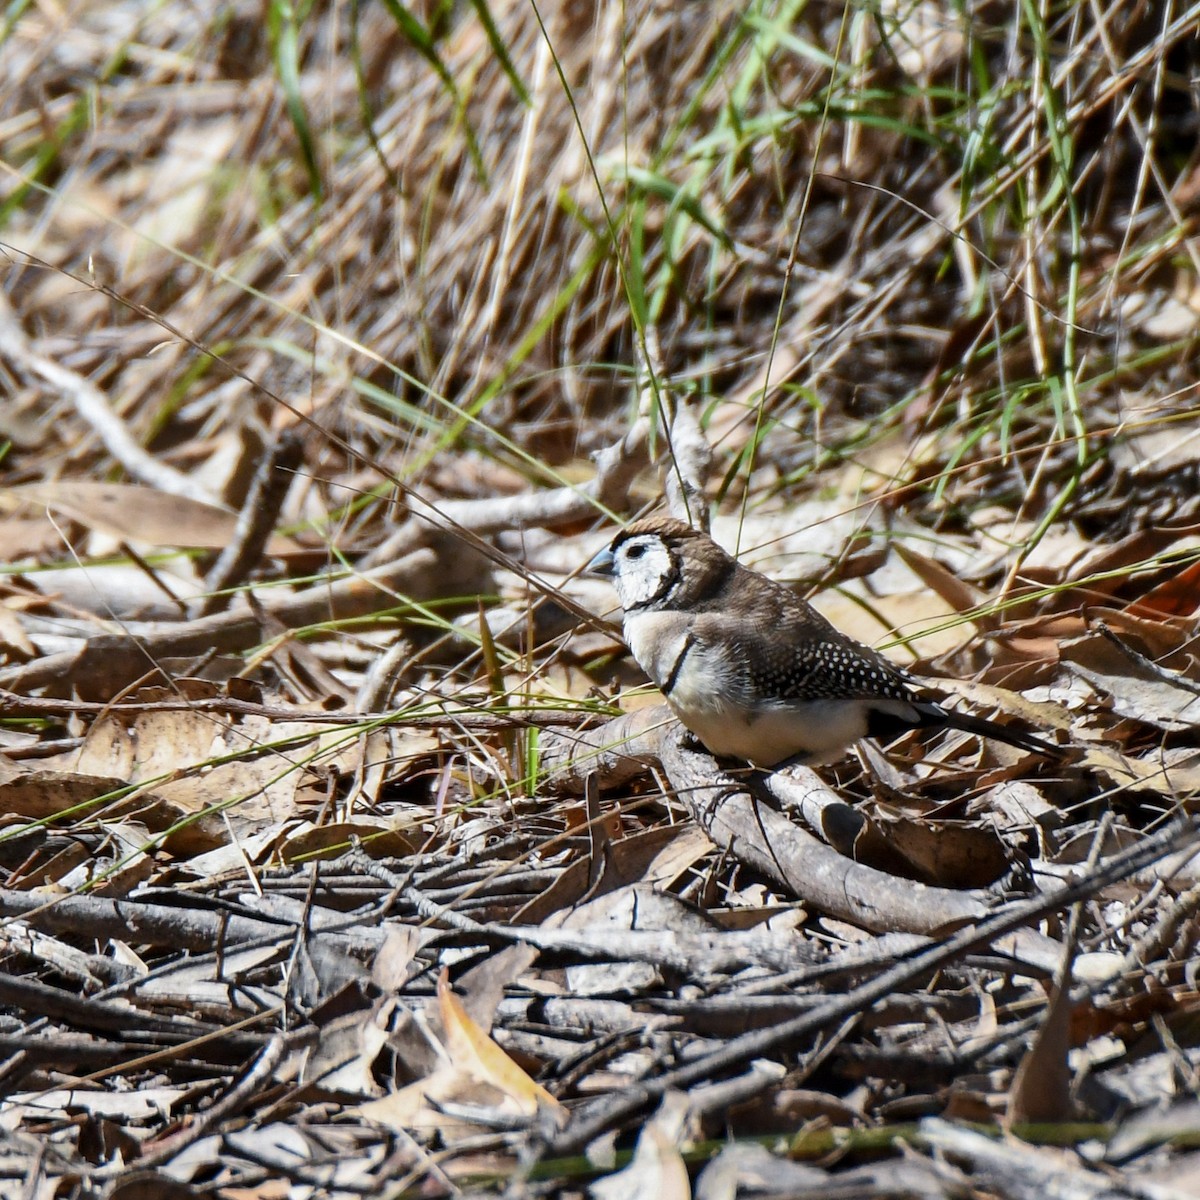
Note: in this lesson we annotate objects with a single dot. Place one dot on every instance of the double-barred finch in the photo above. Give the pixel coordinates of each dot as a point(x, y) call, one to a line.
point(750, 668)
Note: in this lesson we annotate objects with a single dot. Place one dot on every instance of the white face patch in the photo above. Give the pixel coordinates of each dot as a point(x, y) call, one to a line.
point(642, 567)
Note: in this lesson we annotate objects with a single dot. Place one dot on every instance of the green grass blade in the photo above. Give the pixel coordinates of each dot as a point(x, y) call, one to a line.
point(499, 49)
point(284, 31)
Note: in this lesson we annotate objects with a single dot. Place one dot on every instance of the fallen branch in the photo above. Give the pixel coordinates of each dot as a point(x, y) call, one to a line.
point(255, 523)
point(458, 716)
point(615, 752)
point(765, 840)
point(617, 466)
point(105, 664)
point(748, 829)
point(163, 924)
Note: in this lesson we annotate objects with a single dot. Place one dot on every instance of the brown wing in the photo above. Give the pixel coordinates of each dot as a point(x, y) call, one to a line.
point(779, 647)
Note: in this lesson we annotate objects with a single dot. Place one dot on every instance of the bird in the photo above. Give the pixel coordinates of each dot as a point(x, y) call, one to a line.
point(751, 669)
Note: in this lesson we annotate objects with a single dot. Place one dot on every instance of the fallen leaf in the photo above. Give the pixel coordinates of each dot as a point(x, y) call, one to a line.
point(473, 1052)
point(657, 1170)
point(1041, 1087)
point(141, 514)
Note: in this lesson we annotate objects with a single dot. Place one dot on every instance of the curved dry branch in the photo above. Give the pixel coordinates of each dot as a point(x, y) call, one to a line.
point(93, 406)
point(617, 466)
point(750, 830)
point(686, 474)
point(615, 752)
point(767, 842)
point(105, 664)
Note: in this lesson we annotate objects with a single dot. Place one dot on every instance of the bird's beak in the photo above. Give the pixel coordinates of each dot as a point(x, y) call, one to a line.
point(602, 564)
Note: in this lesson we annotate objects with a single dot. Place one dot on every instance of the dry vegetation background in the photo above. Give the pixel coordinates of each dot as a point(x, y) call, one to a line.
point(335, 339)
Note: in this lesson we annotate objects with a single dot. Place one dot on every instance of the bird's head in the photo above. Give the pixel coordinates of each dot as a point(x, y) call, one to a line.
point(660, 563)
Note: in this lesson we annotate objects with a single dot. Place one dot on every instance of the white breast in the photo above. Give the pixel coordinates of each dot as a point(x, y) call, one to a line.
point(656, 639)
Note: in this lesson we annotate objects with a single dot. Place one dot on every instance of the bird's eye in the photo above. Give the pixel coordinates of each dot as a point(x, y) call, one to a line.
point(635, 551)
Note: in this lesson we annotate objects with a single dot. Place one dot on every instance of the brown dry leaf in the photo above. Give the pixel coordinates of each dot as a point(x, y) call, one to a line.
point(14, 641)
point(560, 680)
point(1026, 664)
point(1155, 774)
point(960, 595)
point(419, 1106)
point(141, 514)
point(474, 1053)
point(1052, 626)
point(28, 538)
point(196, 765)
point(1122, 1013)
point(1108, 566)
point(1041, 1087)
point(1135, 689)
point(1163, 638)
point(39, 792)
point(656, 856)
point(137, 1184)
point(474, 1073)
point(269, 1189)
point(680, 854)
point(391, 967)
point(1036, 714)
point(951, 854)
point(149, 746)
point(1175, 597)
point(308, 841)
point(930, 625)
point(248, 847)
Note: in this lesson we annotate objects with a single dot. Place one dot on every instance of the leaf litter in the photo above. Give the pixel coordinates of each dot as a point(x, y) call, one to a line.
point(359, 860)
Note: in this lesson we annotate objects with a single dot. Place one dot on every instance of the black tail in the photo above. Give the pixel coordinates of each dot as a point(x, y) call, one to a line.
point(939, 717)
point(887, 725)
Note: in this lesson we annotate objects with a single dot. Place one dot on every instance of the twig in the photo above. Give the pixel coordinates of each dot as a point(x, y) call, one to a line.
point(617, 466)
point(232, 1102)
point(1025, 1172)
point(256, 521)
point(14, 705)
point(691, 461)
point(58, 1004)
point(161, 924)
point(93, 406)
point(109, 661)
point(615, 752)
point(694, 955)
point(594, 1119)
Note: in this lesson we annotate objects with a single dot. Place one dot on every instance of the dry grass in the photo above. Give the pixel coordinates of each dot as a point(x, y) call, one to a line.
point(913, 205)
